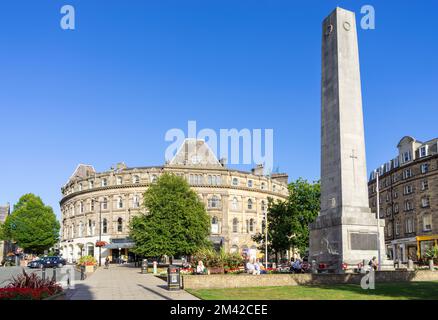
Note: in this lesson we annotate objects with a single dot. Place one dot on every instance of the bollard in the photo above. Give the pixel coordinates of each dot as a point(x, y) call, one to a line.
point(431, 267)
point(410, 264)
point(54, 274)
point(68, 277)
point(43, 273)
point(144, 266)
point(155, 264)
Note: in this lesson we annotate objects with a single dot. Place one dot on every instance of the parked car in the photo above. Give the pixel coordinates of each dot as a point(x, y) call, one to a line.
point(47, 262)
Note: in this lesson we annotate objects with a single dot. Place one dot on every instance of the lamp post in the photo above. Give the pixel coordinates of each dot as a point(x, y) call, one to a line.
point(378, 219)
point(100, 231)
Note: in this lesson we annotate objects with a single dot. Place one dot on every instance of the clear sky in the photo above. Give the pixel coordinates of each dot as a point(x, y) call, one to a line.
point(109, 90)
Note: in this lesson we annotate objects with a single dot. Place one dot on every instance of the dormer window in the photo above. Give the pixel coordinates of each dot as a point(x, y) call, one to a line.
point(136, 179)
point(406, 156)
point(119, 181)
point(249, 183)
point(263, 186)
point(235, 182)
point(104, 182)
point(91, 184)
point(423, 151)
point(80, 186)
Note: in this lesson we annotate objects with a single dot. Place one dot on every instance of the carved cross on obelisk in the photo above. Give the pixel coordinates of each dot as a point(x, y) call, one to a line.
point(353, 157)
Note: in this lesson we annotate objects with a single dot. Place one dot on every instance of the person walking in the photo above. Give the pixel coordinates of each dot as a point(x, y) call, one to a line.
point(106, 262)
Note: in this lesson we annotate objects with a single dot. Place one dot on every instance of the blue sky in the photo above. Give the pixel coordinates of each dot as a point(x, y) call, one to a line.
point(109, 90)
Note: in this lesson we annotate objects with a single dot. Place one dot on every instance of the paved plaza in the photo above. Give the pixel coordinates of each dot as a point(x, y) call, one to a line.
point(122, 282)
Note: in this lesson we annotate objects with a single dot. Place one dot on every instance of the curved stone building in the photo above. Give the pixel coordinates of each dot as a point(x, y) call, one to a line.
point(235, 200)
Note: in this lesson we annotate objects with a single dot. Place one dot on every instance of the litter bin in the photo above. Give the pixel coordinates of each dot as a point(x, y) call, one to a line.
point(144, 266)
point(173, 278)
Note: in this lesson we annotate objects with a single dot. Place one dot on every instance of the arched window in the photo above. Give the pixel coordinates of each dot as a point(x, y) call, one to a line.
point(249, 204)
point(136, 179)
point(105, 203)
point(235, 225)
point(235, 203)
point(120, 203)
point(81, 229)
point(135, 201)
point(235, 182)
point(104, 182)
point(214, 225)
point(92, 205)
point(154, 178)
point(81, 207)
point(91, 184)
point(119, 225)
point(251, 225)
point(104, 226)
point(119, 180)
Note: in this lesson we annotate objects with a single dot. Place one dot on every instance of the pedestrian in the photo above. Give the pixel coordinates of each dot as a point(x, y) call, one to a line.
point(200, 269)
point(373, 263)
point(107, 262)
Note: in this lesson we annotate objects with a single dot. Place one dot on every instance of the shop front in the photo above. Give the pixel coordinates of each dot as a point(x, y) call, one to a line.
point(119, 251)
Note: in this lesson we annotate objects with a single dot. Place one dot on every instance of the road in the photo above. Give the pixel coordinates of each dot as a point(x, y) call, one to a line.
point(6, 273)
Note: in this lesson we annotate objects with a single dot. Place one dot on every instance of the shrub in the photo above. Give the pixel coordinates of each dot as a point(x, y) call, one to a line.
point(213, 259)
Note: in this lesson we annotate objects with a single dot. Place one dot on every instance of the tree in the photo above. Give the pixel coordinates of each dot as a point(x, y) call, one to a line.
point(176, 222)
point(32, 225)
point(288, 221)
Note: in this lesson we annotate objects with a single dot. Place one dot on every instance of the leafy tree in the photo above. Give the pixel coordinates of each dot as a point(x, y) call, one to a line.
point(32, 225)
point(288, 221)
point(176, 222)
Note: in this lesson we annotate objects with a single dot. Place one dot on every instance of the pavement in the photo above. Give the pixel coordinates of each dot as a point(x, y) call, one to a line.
point(123, 282)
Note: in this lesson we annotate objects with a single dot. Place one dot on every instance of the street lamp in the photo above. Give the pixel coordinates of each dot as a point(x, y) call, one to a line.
point(378, 219)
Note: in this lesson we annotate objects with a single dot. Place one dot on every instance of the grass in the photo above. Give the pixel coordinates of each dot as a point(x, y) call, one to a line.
point(382, 291)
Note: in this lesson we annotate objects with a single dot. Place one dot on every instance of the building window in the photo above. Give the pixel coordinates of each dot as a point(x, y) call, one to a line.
point(427, 222)
point(396, 162)
point(407, 173)
point(119, 181)
point(249, 204)
point(135, 201)
point(120, 203)
point(89, 228)
point(105, 203)
point(214, 225)
point(80, 186)
point(214, 202)
point(408, 205)
point(235, 203)
point(388, 197)
point(81, 229)
point(425, 202)
point(388, 211)
point(397, 227)
point(81, 207)
point(424, 168)
point(235, 182)
point(395, 194)
point(91, 184)
point(395, 207)
point(92, 205)
point(251, 225)
point(408, 189)
point(136, 179)
point(104, 182)
point(263, 186)
point(406, 156)
point(235, 225)
point(409, 225)
point(119, 225)
point(423, 151)
point(104, 226)
point(424, 185)
point(249, 183)
point(389, 229)
point(263, 206)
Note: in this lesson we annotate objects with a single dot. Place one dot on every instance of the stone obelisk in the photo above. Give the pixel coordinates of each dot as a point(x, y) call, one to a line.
point(345, 230)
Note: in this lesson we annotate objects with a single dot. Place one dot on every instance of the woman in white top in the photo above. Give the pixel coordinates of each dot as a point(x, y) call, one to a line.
point(200, 268)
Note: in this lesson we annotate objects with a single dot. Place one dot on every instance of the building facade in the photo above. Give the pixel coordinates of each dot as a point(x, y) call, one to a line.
point(100, 205)
point(4, 212)
point(408, 186)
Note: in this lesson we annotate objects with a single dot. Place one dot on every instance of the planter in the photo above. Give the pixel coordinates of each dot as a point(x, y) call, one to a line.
point(89, 269)
point(216, 270)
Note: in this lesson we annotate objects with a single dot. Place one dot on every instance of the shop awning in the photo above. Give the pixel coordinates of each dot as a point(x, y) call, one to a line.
point(120, 245)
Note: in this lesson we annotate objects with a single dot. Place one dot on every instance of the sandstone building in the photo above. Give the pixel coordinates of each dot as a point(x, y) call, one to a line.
point(408, 198)
point(235, 200)
point(4, 212)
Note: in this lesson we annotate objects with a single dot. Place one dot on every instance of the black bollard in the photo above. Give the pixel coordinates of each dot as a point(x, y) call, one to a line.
point(68, 277)
point(43, 273)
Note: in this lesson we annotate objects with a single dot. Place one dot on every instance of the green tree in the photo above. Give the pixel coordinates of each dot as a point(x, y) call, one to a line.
point(175, 222)
point(32, 225)
point(288, 221)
